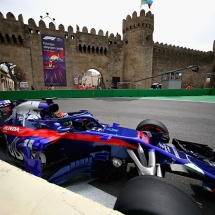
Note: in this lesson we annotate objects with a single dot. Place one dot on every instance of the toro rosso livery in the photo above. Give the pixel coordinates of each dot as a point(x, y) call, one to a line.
point(58, 146)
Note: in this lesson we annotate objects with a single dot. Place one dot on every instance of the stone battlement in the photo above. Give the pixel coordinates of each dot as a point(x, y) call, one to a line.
point(165, 49)
point(143, 21)
point(158, 45)
point(34, 28)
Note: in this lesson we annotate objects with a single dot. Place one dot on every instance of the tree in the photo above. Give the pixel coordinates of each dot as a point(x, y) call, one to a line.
point(16, 74)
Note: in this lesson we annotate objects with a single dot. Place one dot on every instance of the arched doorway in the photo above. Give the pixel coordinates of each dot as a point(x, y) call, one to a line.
point(92, 79)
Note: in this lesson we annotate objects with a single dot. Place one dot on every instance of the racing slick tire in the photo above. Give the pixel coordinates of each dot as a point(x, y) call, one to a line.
point(153, 195)
point(154, 126)
point(3, 149)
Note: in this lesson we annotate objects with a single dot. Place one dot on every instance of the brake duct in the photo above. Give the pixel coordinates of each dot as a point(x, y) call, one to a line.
point(144, 168)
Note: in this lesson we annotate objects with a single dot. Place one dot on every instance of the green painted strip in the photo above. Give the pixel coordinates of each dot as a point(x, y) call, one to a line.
point(172, 94)
point(209, 99)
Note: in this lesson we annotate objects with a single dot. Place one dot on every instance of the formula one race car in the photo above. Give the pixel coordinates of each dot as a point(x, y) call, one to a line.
point(59, 146)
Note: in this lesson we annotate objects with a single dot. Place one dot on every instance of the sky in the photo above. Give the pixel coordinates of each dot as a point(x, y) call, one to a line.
point(189, 23)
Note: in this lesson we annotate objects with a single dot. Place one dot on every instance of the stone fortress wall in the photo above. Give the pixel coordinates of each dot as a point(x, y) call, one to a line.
point(168, 57)
point(132, 58)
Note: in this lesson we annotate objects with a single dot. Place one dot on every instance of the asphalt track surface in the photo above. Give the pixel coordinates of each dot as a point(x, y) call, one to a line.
point(187, 118)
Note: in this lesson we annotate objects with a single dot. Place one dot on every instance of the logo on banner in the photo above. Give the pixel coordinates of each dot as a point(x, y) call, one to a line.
point(76, 75)
point(59, 40)
point(49, 38)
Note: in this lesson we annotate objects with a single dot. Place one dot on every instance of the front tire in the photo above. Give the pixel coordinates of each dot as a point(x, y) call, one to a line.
point(154, 126)
point(152, 195)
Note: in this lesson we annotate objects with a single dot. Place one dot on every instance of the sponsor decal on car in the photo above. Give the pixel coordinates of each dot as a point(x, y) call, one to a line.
point(11, 128)
point(194, 168)
point(18, 154)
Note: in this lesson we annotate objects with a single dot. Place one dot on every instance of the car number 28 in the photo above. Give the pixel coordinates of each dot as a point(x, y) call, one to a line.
point(18, 154)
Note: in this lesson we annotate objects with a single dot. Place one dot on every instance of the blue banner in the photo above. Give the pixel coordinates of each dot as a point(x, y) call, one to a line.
point(54, 65)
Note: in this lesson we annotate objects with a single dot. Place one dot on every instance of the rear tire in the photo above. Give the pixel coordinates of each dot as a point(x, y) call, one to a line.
point(154, 126)
point(152, 195)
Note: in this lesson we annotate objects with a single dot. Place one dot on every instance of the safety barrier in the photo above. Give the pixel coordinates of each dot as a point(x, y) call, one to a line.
point(38, 94)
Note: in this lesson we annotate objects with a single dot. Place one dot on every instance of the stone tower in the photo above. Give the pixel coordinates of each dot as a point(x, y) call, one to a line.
point(138, 47)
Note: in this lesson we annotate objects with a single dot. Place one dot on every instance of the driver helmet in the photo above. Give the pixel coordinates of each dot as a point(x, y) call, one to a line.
point(59, 115)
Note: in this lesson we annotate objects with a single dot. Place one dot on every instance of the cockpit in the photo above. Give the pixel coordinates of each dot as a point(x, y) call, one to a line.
point(37, 115)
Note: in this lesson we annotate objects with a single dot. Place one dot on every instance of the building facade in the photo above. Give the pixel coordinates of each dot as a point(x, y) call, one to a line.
point(6, 82)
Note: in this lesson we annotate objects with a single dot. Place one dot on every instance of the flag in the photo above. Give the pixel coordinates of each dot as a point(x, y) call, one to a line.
point(149, 2)
point(144, 2)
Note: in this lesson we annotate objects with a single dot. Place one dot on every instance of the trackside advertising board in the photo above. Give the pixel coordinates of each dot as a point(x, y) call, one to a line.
point(54, 65)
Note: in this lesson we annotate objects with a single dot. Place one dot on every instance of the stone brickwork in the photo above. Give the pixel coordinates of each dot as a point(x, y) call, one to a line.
point(167, 58)
point(132, 58)
point(138, 47)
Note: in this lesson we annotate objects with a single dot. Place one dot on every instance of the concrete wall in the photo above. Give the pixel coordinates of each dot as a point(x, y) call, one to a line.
point(22, 194)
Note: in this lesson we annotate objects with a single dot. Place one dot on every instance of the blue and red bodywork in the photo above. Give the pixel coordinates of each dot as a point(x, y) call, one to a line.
point(35, 138)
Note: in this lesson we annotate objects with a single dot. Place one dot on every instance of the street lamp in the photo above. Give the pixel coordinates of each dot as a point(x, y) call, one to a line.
point(92, 79)
point(47, 16)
